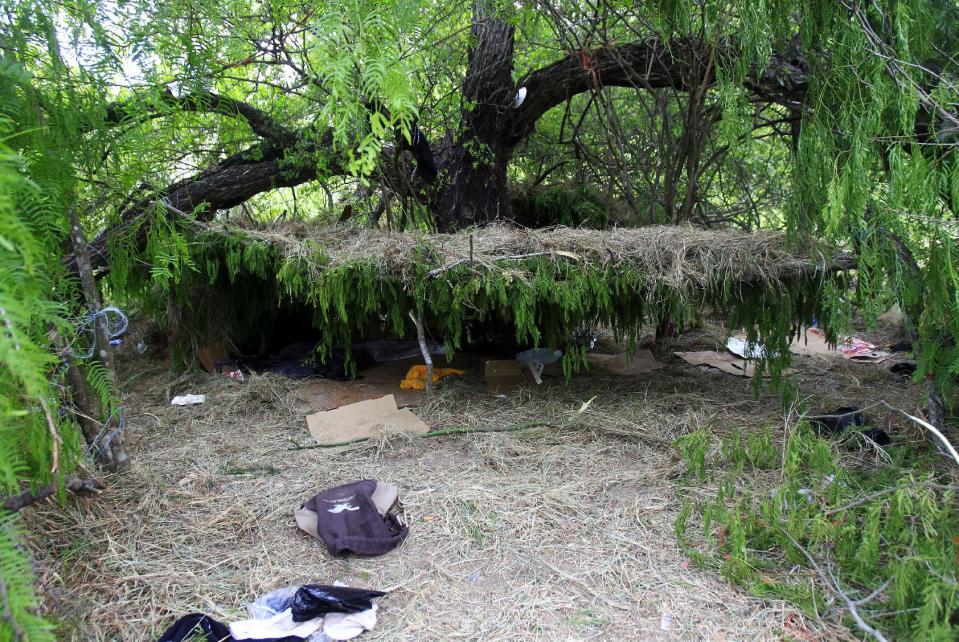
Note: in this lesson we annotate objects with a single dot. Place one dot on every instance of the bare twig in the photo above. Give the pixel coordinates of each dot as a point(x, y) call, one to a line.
point(869, 598)
point(833, 584)
point(54, 435)
point(886, 491)
point(928, 426)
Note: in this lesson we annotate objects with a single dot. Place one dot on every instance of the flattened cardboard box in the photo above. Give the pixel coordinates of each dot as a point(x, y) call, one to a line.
point(371, 418)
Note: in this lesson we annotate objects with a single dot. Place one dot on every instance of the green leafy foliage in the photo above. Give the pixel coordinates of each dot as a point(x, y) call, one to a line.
point(890, 527)
point(25, 439)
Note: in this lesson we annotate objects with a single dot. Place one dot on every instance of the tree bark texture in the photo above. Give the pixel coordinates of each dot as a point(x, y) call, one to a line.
point(474, 187)
point(114, 456)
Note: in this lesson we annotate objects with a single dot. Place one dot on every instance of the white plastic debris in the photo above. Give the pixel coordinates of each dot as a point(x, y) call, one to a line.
point(188, 400)
point(346, 626)
point(666, 621)
point(536, 359)
point(742, 348)
point(520, 97)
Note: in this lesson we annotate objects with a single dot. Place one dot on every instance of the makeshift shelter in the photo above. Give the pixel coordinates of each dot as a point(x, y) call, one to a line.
point(347, 283)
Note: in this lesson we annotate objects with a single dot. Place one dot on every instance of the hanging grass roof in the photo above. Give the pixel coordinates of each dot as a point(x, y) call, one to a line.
point(681, 258)
point(353, 281)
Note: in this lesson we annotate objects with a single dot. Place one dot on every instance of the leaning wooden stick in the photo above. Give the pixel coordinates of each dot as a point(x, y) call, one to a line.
point(421, 337)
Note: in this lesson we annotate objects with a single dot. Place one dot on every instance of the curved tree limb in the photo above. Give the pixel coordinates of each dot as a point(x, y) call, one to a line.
point(228, 184)
point(143, 108)
point(652, 64)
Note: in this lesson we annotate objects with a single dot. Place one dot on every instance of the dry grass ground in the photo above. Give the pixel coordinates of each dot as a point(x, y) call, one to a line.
point(543, 534)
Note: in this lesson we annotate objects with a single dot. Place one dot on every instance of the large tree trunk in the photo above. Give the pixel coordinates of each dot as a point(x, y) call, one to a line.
point(474, 189)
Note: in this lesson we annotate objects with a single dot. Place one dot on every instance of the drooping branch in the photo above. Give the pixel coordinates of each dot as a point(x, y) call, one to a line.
point(228, 184)
point(140, 109)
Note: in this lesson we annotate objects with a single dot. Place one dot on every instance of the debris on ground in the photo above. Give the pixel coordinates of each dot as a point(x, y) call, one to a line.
point(904, 368)
point(386, 350)
point(535, 359)
point(415, 378)
point(299, 360)
point(363, 420)
point(879, 436)
point(354, 518)
point(216, 360)
point(187, 400)
point(833, 423)
point(196, 626)
point(722, 360)
point(640, 362)
point(485, 530)
point(813, 344)
point(311, 612)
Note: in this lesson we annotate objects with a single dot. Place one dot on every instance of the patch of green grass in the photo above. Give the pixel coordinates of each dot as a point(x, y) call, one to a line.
point(585, 619)
point(252, 470)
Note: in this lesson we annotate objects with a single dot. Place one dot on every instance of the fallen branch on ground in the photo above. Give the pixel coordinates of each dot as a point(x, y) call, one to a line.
point(461, 430)
point(455, 430)
point(832, 583)
point(73, 483)
point(928, 426)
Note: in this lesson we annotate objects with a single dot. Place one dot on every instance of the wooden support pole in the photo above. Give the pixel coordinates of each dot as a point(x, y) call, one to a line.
point(421, 337)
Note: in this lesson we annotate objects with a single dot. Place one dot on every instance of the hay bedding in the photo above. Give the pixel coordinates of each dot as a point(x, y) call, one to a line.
point(540, 535)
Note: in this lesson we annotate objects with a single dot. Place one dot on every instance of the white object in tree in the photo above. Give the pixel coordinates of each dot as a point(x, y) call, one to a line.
point(520, 97)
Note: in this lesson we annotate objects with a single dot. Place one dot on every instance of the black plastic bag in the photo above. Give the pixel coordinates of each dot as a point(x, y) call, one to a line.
point(314, 600)
point(196, 626)
point(878, 435)
point(836, 421)
point(904, 368)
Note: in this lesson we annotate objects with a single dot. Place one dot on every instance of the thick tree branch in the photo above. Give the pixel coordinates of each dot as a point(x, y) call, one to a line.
point(228, 184)
point(652, 64)
point(140, 109)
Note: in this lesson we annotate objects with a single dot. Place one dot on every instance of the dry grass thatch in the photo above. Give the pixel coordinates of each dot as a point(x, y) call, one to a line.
point(676, 257)
point(543, 534)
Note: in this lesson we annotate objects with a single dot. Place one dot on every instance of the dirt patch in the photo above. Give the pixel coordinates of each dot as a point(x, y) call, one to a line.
point(547, 533)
